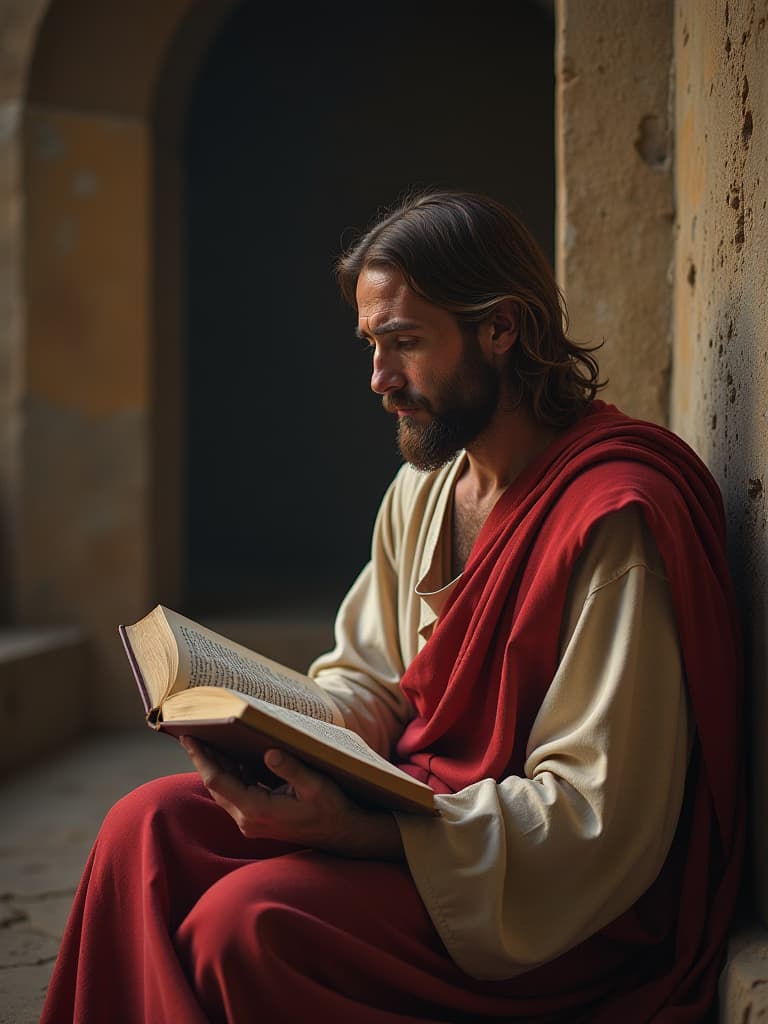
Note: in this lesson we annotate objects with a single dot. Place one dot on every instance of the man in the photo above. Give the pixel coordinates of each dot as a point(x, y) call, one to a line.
point(545, 634)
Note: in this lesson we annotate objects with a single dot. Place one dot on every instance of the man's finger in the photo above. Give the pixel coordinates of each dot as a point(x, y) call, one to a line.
point(293, 771)
point(214, 777)
point(226, 789)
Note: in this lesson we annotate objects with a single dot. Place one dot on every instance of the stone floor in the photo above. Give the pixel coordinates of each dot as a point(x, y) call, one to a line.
point(50, 816)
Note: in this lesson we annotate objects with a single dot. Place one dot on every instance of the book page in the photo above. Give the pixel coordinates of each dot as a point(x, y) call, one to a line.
point(340, 739)
point(213, 664)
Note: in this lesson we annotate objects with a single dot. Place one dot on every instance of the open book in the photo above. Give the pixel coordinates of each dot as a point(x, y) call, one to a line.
point(195, 682)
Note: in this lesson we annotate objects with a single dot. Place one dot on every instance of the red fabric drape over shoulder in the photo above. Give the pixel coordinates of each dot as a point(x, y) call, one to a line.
point(479, 682)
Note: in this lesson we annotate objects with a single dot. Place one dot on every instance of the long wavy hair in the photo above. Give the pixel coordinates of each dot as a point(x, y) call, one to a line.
point(467, 253)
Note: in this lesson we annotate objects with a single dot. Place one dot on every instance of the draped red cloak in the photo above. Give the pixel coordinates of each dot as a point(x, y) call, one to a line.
point(479, 682)
point(179, 917)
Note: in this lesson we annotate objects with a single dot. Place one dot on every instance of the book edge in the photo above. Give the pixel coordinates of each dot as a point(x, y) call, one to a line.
point(137, 673)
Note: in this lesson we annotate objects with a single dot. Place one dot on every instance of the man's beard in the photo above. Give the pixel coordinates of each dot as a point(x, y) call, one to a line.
point(463, 407)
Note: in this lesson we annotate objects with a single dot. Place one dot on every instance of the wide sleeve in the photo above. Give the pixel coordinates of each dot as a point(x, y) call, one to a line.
point(515, 873)
point(362, 673)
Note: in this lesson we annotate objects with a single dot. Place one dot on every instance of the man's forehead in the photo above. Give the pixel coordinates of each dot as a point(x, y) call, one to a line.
point(385, 301)
point(377, 285)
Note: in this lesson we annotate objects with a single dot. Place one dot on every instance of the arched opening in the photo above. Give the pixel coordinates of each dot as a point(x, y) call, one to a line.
point(296, 131)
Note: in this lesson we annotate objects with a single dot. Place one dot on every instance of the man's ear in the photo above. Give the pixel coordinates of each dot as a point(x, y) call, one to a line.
point(504, 326)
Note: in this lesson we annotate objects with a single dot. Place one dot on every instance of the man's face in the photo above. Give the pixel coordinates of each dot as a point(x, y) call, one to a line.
point(430, 373)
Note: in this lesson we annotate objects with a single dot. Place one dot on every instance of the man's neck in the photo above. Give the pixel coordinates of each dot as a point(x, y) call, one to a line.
point(511, 441)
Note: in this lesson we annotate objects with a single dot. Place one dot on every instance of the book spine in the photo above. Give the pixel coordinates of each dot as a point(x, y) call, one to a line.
point(136, 670)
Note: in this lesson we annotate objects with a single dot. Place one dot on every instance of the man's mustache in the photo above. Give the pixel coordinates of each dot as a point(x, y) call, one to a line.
point(404, 399)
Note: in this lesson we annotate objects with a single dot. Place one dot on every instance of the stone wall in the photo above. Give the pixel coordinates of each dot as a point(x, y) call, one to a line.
point(85, 544)
point(614, 203)
point(19, 20)
point(720, 378)
point(84, 548)
point(85, 83)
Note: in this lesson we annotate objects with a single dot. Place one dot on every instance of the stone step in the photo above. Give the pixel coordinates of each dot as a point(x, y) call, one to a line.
point(42, 698)
point(43, 669)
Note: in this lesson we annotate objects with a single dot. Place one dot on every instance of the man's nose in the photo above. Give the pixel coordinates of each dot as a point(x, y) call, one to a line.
point(386, 375)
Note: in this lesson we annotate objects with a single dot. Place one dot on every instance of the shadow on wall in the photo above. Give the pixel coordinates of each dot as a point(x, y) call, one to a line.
point(737, 422)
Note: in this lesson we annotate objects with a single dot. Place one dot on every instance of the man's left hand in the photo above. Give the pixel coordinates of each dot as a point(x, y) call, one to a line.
point(310, 810)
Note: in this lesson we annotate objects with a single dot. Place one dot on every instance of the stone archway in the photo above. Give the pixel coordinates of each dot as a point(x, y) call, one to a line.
point(79, 495)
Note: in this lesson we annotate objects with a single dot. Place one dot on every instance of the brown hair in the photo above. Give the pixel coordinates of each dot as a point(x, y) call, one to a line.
point(467, 253)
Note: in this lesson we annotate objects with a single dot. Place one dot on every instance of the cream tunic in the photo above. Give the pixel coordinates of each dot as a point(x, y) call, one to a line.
point(515, 873)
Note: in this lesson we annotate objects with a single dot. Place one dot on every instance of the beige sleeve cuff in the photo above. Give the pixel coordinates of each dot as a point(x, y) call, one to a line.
point(514, 874)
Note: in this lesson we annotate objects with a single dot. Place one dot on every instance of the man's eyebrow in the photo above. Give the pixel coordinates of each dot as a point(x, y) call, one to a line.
point(389, 327)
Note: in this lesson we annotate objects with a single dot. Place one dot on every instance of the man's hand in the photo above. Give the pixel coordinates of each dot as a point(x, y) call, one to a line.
point(310, 810)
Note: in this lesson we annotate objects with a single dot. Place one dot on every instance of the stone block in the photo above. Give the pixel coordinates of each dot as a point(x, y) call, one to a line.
point(41, 693)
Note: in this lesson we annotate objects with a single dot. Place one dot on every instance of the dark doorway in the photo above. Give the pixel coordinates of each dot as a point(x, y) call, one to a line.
point(299, 129)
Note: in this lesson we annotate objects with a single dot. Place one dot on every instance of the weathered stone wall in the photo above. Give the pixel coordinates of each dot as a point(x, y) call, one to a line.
point(85, 542)
point(720, 378)
point(84, 547)
point(19, 20)
point(614, 203)
point(79, 391)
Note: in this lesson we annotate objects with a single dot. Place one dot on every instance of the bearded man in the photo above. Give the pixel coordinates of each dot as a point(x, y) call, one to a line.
point(545, 634)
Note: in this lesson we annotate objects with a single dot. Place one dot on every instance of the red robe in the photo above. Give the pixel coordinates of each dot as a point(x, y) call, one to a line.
point(179, 917)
